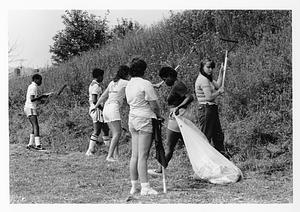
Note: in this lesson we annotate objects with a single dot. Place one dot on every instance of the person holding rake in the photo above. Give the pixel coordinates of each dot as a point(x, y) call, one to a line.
point(207, 91)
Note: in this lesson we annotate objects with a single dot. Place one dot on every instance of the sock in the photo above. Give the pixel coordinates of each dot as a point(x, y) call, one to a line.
point(37, 141)
point(105, 138)
point(31, 139)
point(145, 185)
point(134, 183)
point(93, 140)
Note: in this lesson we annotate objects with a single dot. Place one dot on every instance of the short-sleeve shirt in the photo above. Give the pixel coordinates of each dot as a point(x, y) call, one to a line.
point(94, 88)
point(138, 94)
point(116, 91)
point(31, 91)
point(177, 93)
point(201, 83)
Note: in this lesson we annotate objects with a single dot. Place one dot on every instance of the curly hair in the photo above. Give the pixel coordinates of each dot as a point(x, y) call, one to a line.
point(167, 71)
point(137, 67)
point(122, 73)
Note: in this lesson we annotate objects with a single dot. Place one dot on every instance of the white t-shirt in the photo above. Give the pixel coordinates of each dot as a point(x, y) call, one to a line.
point(94, 88)
point(116, 92)
point(138, 92)
point(31, 90)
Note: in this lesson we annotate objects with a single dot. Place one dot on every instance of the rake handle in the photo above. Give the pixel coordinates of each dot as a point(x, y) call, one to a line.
point(225, 65)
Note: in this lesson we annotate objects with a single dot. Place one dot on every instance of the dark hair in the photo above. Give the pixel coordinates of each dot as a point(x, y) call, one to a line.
point(167, 71)
point(137, 67)
point(97, 72)
point(36, 76)
point(202, 64)
point(122, 73)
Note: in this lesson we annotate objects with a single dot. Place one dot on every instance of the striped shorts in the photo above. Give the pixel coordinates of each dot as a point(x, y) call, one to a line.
point(96, 115)
point(30, 112)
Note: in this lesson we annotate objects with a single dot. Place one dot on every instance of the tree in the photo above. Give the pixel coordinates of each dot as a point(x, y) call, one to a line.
point(82, 33)
point(13, 51)
point(125, 26)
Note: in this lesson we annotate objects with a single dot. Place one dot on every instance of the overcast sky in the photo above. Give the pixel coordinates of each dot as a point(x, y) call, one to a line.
point(31, 24)
point(32, 30)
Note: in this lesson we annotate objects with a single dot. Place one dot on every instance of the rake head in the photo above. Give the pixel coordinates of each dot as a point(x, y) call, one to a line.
point(230, 41)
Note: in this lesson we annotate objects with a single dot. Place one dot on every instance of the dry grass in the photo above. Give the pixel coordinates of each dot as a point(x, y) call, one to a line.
point(41, 178)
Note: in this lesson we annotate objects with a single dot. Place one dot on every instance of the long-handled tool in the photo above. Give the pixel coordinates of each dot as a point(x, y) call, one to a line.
point(58, 93)
point(61, 89)
point(226, 56)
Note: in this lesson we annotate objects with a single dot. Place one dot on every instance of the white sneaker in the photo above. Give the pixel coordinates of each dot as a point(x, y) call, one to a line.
point(148, 191)
point(89, 153)
point(154, 172)
point(134, 190)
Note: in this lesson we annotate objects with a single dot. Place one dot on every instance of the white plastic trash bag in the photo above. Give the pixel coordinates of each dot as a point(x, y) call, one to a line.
point(207, 162)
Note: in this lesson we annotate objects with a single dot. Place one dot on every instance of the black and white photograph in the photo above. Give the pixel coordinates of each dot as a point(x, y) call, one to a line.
point(188, 106)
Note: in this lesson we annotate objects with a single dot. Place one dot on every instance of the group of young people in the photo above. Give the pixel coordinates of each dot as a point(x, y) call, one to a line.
point(142, 99)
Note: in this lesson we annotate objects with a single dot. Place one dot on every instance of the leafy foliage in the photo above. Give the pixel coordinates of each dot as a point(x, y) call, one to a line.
point(82, 32)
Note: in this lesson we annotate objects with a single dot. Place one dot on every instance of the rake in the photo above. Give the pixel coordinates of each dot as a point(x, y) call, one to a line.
point(226, 55)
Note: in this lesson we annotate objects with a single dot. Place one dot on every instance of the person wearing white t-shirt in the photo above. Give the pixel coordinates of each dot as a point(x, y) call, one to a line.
point(143, 104)
point(30, 111)
point(95, 92)
point(115, 94)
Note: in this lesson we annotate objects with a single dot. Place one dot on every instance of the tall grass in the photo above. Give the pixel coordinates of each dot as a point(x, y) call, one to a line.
point(256, 110)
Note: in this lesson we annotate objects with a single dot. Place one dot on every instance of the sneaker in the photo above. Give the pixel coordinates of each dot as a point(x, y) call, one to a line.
point(111, 159)
point(154, 172)
point(30, 147)
point(89, 153)
point(148, 191)
point(40, 148)
point(134, 190)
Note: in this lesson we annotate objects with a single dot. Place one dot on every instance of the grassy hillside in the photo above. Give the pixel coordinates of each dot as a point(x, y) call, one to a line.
point(256, 111)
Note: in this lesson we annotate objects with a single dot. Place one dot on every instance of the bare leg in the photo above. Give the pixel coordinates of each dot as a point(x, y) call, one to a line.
point(35, 126)
point(134, 156)
point(116, 129)
point(145, 141)
point(172, 139)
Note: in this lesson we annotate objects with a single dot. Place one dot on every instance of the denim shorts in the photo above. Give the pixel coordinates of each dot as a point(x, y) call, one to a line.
point(137, 124)
point(172, 123)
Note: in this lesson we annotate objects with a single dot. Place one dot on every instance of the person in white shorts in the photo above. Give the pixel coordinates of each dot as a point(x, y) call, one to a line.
point(143, 104)
point(95, 92)
point(30, 111)
point(115, 94)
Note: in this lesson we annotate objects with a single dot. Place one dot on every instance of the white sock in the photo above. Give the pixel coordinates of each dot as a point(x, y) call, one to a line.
point(37, 140)
point(105, 138)
point(93, 140)
point(134, 183)
point(31, 139)
point(145, 185)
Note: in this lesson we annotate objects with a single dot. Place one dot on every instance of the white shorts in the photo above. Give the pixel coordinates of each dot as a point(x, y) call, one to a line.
point(30, 112)
point(111, 112)
point(137, 124)
point(96, 115)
